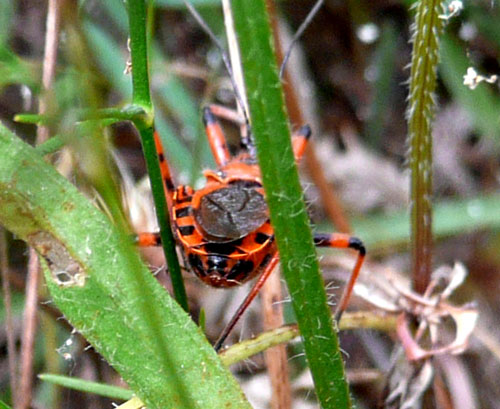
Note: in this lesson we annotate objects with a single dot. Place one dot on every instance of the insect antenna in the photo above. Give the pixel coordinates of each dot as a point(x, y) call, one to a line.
point(299, 33)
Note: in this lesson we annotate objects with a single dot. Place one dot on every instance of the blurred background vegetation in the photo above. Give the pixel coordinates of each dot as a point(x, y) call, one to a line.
point(350, 73)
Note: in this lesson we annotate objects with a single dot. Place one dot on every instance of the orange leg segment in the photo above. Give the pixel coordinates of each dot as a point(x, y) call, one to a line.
point(148, 239)
point(340, 240)
point(168, 183)
point(216, 138)
point(299, 141)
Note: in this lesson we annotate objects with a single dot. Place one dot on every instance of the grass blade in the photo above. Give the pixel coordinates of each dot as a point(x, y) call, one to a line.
point(284, 197)
point(3, 405)
point(82, 385)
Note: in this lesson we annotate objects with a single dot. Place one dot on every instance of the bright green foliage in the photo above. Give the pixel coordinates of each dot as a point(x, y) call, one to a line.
point(3, 405)
point(386, 231)
point(100, 284)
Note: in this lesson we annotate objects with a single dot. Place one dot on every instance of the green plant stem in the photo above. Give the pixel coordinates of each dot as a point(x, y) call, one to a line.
point(245, 349)
point(82, 385)
point(284, 197)
point(139, 54)
point(130, 113)
point(425, 56)
point(142, 97)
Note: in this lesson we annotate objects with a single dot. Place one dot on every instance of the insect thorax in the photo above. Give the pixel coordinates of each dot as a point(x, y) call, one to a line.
point(233, 211)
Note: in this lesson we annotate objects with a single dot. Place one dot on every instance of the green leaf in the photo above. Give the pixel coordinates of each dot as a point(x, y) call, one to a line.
point(100, 284)
point(284, 197)
point(15, 70)
point(3, 405)
point(180, 3)
point(486, 20)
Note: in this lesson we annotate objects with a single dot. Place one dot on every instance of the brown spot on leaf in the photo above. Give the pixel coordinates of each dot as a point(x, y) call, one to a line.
point(65, 270)
point(68, 206)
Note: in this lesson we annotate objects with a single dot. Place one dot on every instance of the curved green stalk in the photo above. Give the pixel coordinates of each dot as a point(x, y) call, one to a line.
point(142, 97)
point(421, 105)
point(77, 384)
point(284, 197)
point(245, 349)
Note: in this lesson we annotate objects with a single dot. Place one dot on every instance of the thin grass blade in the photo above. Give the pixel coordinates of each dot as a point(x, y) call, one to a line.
point(284, 196)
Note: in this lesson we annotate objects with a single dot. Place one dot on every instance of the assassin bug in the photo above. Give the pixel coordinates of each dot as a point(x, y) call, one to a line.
point(224, 228)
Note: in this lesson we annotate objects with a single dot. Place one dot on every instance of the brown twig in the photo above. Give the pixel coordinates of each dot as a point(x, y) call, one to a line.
point(276, 358)
point(11, 343)
point(49, 63)
point(25, 392)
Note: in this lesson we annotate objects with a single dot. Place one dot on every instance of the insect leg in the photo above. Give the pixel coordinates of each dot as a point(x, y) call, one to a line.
point(299, 141)
point(268, 269)
point(168, 183)
point(216, 138)
point(153, 239)
point(147, 239)
point(340, 240)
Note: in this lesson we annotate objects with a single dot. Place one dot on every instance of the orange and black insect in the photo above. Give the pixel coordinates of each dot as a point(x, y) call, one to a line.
point(224, 228)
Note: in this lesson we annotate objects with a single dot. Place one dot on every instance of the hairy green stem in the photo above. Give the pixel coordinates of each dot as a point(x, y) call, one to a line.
point(421, 105)
point(284, 197)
